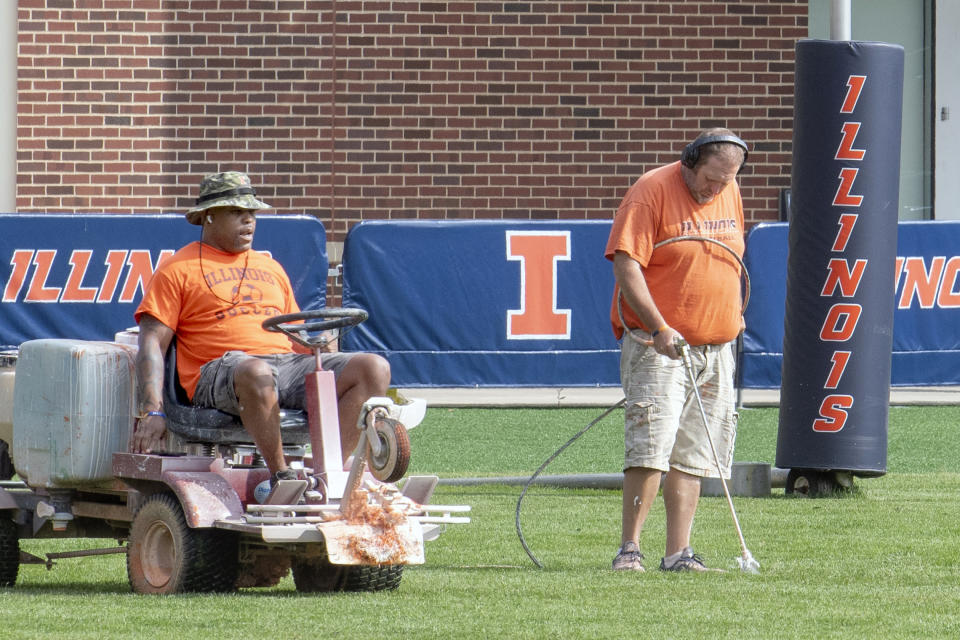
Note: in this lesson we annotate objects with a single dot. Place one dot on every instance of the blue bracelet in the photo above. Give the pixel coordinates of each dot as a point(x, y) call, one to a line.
point(151, 413)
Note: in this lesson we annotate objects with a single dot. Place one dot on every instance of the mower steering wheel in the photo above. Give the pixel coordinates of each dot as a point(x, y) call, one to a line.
point(299, 328)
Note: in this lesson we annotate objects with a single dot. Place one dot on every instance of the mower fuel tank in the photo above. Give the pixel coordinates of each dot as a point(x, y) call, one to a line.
point(73, 406)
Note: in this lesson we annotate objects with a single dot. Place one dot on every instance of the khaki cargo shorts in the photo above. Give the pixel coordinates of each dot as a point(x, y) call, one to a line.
point(663, 426)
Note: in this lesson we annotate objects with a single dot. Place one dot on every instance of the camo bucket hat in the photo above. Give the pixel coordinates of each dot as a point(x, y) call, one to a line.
point(227, 189)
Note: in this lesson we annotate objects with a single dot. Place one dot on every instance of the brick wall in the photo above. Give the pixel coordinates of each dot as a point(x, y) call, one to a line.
point(487, 109)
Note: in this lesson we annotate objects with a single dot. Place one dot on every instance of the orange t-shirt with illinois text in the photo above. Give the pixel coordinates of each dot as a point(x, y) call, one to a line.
point(193, 294)
point(695, 284)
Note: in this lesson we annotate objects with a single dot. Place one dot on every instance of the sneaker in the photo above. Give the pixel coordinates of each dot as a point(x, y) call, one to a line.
point(286, 488)
point(688, 561)
point(628, 558)
point(286, 474)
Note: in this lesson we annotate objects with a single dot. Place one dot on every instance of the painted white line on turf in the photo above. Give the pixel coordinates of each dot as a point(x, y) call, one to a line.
point(606, 396)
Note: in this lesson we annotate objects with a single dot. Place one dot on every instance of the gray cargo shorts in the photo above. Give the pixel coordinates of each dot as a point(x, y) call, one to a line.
point(215, 386)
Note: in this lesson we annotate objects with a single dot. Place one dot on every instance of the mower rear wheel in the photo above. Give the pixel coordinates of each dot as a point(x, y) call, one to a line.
point(9, 552)
point(318, 575)
point(394, 456)
point(166, 556)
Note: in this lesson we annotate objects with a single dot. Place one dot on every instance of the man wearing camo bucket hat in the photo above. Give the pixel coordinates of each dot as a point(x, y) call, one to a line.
point(212, 295)
point(227, 189)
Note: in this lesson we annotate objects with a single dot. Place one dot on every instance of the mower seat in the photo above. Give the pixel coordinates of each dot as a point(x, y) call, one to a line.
point(200, 424)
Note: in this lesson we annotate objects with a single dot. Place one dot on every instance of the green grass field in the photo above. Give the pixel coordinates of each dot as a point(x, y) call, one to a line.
point(883, 562)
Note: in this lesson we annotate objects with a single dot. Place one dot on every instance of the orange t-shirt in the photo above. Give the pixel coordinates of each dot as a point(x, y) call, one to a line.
point(197, 305)
point(695, 285)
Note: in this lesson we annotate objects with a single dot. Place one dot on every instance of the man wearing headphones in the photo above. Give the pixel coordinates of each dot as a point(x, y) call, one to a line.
point(212, 295)
point(669, 290)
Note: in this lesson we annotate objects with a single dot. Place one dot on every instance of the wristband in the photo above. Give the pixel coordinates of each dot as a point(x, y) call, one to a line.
point(656, 332)
point(147, 414)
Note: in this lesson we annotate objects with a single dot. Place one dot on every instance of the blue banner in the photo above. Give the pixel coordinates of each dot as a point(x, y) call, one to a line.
point(766, 260)
point(441, 293)
point(484, 303)
point(82, 276)
point(446, 303)
point(926, 319)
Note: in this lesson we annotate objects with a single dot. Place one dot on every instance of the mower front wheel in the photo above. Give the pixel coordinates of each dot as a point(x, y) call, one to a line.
point(394, 457)
point(166, 556)
point(318, 575)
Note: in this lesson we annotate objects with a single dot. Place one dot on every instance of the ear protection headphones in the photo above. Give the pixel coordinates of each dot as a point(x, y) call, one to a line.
point(691, 152)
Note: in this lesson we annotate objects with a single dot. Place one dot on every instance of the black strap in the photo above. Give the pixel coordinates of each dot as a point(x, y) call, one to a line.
point(242, 191)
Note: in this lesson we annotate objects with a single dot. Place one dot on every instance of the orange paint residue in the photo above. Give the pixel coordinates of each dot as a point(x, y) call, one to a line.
point(385, 546)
